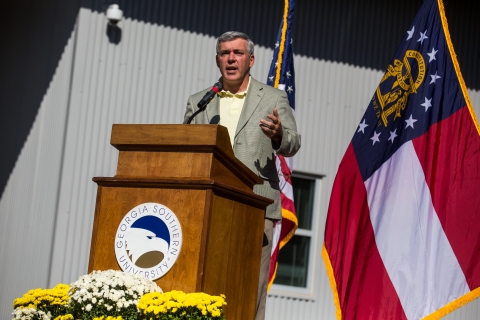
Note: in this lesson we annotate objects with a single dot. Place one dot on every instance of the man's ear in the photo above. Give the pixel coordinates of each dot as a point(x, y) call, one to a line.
point(217, 61)
point(252, 60)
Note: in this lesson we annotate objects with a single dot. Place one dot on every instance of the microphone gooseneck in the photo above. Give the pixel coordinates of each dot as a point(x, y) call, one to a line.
point(217, 87)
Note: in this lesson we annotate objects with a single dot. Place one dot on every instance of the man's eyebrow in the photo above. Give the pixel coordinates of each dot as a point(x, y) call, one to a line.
point(230, 50)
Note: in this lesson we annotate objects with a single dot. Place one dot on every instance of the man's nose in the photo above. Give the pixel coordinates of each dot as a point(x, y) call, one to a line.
point(231, 57)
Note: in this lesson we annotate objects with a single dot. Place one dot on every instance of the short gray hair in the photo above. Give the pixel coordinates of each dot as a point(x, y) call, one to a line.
point(232, 35)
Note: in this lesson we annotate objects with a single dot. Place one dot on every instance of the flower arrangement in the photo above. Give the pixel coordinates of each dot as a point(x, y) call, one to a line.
point(179, 305)
point(108, 293)
point(115, 295)
point(43, 304)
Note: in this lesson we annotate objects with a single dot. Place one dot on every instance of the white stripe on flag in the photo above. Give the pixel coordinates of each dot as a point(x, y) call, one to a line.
point(276, 236)
point(285, 187)
point(415, 251)
point(289, 161)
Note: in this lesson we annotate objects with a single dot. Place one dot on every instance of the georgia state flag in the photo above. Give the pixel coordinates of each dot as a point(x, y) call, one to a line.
point(402, 238)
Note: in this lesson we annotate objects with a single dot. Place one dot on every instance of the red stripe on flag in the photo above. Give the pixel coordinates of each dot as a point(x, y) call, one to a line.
point(286, 170)
point(361, 279)
point(289, 218)
point(287, 232)
point(452, 172)
point(287, 203)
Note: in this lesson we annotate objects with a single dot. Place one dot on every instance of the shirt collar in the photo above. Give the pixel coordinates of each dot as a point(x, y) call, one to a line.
point(240, 95)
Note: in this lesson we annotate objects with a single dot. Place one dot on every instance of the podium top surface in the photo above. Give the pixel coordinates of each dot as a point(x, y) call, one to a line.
point(167, 139)
point(167, 136)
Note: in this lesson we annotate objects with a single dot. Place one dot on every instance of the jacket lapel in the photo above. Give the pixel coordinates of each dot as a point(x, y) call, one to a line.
point(254, 95)
point(213, 111)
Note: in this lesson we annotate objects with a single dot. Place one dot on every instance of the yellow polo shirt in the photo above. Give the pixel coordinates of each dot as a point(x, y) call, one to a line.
point(230, 109)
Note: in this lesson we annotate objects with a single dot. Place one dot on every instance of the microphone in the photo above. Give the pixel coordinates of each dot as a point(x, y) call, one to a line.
point(206, 100)
point(217, 87)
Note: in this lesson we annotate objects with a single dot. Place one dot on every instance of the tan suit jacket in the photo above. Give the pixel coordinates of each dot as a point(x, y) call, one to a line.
point(251, 145)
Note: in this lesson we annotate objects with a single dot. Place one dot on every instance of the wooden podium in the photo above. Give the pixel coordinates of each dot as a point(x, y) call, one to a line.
point(191, 169)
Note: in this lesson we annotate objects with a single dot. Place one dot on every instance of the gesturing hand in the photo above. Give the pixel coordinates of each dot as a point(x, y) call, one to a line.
point(273, 128)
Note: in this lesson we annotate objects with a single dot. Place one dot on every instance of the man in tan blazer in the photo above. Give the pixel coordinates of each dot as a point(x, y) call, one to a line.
point(260, 124)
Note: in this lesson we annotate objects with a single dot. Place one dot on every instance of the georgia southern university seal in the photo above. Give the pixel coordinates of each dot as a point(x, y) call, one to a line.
point(148, 240)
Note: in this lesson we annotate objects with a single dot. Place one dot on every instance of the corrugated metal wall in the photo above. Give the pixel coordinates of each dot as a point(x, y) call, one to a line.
point(143, 73)
point(29, 204)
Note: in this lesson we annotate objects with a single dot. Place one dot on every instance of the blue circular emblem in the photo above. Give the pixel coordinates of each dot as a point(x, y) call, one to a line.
point(148, 240)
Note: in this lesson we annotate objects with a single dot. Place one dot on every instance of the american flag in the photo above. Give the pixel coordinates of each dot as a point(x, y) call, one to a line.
point(402, 234)
point(282, 76)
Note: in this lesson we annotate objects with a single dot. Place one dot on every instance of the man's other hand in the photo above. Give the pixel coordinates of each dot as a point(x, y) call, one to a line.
point(273, 128)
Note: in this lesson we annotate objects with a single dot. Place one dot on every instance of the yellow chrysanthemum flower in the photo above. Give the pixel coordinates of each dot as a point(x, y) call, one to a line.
point(33, 298)
point(174, 301)
point(65, 317)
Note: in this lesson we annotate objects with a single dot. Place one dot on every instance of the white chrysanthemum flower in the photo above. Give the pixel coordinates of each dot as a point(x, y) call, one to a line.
point(25, 314)
point(44, 316)
point(110, 289)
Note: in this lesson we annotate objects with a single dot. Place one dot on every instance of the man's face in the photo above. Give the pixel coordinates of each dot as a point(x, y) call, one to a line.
point(234, 62)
